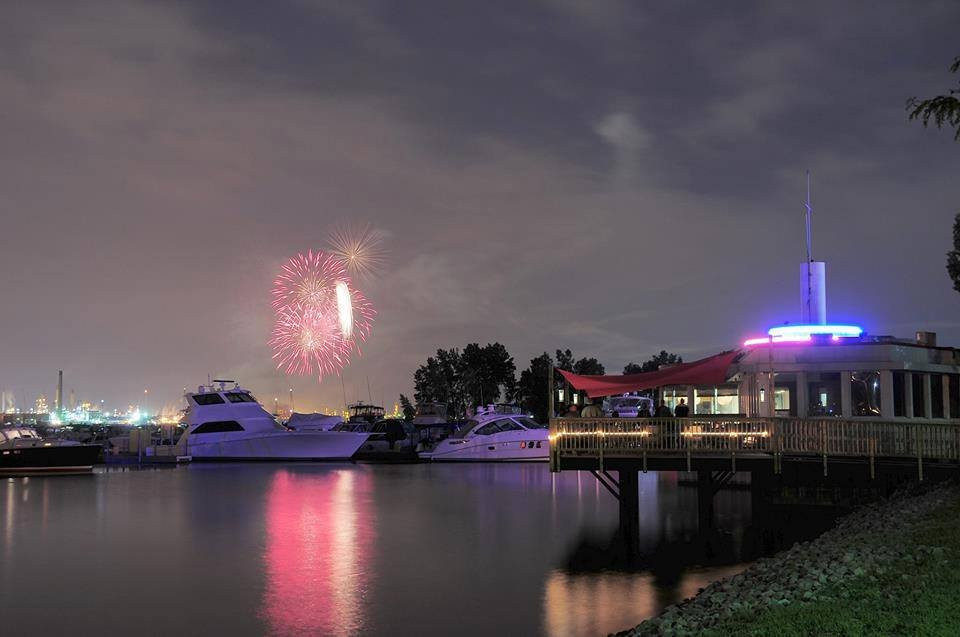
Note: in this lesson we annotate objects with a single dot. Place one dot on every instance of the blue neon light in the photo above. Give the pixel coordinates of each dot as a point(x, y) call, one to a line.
point(805, 331)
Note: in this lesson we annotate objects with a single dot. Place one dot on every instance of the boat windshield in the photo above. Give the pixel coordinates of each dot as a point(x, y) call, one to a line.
point(530, 423)
point(239, 397)
point(465, 429)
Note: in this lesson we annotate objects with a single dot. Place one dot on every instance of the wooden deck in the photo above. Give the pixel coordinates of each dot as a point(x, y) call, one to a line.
point(576, 443)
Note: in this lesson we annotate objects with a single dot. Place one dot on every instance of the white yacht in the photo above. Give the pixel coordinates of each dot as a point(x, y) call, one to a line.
point(229, 424)
point(497, 433)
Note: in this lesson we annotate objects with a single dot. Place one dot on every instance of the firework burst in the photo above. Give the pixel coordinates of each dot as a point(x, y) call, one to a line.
point(320, 317)
point(361, 248)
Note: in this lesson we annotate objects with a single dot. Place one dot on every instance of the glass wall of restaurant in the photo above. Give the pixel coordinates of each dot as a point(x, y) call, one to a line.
point(723, 399)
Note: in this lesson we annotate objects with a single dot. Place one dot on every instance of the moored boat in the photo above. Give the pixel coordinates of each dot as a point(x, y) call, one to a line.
point(227, 423)
point(23, 451)
point(497, 433)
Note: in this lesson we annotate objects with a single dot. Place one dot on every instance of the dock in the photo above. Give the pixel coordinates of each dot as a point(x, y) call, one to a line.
point(776, 451)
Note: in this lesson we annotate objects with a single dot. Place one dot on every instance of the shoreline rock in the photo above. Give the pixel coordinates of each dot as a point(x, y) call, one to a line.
point(854, 548)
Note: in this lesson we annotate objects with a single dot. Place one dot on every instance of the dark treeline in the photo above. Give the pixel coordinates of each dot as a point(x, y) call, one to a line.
point(478, 375)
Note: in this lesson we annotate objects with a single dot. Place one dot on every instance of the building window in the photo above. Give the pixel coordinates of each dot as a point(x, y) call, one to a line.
point(671, 398)
point(899, 397)
point(704, 400)
point(709, 401)
point(727, 400)
point(936, 395)
point(918, 396)
point(954, 395)
point(825, 395)
point(781, 399)
point(865, 393)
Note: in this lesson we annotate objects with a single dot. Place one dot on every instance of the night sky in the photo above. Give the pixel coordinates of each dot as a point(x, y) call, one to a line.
point(613, 177)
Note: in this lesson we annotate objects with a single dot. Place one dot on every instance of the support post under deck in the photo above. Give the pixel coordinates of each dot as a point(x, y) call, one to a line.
point(705, 491)
point(630, 510)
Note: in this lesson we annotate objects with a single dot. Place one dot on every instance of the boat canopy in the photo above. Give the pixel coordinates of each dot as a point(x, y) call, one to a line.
point(712, 370)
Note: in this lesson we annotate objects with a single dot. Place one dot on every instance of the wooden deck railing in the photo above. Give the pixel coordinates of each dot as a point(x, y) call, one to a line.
point(639, 438)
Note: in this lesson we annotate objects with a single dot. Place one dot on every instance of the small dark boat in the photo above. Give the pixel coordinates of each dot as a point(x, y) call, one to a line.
point(24, 452)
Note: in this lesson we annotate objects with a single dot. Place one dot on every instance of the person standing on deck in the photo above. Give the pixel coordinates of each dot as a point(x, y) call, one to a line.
point(591, 410)
point(662, 411)
point(682, 411)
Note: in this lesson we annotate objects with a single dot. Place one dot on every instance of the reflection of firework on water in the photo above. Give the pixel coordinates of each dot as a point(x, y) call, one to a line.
point(361, 248)
point(321, 318)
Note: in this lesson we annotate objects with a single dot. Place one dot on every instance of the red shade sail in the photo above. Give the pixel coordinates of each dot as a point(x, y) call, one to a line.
point(706, 371)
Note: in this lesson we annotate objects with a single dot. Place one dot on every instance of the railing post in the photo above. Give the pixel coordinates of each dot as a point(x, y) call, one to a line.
point(872, 447)
point(601, 440)
point(916, 442)
point(556, 442)
point(823, 444)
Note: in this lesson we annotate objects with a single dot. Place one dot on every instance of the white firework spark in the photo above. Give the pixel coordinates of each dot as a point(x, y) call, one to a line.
point(361, 248)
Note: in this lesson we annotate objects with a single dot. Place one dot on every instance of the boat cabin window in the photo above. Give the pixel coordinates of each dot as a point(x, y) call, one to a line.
point(207, 399)
point(530, 423)
point(465, 429)
point(504, 424)
point(218, 426)
point(507, 425)
point(487, 429)
point(239, 397)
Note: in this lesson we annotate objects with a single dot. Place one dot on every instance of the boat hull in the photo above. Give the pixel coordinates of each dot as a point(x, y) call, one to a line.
point(292, 445)
point(511, 447)
point(49, 460)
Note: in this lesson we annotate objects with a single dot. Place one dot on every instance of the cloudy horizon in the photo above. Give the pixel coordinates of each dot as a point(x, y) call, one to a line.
point(597, 176)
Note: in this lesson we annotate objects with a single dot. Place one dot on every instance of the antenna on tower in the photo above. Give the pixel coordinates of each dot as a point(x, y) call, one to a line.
point(809, 212)
point(813, 291)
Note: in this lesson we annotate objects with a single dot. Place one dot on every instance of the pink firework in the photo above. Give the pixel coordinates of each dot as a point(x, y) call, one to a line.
point(308, 280)
point(320, 319)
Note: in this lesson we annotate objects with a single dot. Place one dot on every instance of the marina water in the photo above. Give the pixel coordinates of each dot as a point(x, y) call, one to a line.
point(340, 548)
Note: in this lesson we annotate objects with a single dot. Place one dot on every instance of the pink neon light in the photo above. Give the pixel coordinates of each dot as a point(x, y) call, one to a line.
point(778, 339)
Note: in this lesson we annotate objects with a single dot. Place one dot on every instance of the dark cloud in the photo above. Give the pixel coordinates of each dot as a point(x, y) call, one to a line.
point(607, 176)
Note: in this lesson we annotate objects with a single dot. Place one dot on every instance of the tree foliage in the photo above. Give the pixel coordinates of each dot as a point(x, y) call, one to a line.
point(942, 109)
point(467, 378)
point(654, 363)
point(409, 411)
point(532, 388)
point(953, 257)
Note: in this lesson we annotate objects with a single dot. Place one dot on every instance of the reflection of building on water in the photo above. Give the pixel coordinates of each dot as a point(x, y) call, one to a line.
point(319, 538)
point(602, 603)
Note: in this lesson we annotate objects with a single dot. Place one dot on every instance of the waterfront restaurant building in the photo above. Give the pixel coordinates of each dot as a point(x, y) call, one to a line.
point(808, 371)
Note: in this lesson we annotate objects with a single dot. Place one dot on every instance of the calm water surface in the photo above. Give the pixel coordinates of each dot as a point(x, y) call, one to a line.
point(324, 549)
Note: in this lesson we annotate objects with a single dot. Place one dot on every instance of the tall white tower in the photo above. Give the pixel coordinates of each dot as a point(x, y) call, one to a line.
point(813, 278)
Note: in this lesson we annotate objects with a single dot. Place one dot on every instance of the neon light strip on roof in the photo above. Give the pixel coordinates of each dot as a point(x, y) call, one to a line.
point(807, 330)
point(804, 334)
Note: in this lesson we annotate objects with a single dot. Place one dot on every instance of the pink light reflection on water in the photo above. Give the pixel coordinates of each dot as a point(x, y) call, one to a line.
point(319, 539)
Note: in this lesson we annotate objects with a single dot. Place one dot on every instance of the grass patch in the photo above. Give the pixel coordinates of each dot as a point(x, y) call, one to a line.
point(916, 592)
